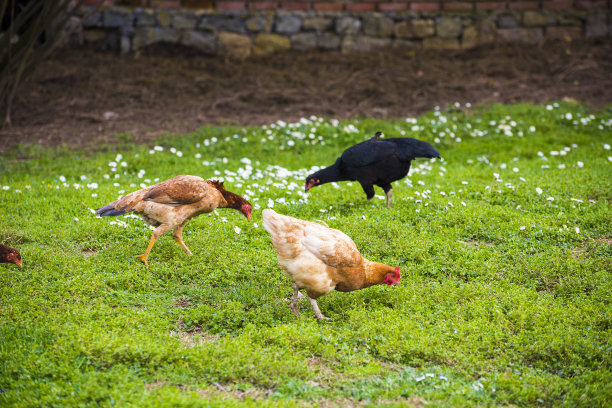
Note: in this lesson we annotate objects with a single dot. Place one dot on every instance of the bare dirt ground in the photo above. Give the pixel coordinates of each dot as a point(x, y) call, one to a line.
point(82, 98)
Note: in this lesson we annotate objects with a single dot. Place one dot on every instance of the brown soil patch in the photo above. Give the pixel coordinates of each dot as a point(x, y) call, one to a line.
point(181, 302)
point(251, 393)
point(473, 242)
point(583, 251)
point(194, 338)
point(83, 97)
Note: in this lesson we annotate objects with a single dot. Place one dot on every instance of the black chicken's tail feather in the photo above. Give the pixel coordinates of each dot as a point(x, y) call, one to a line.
point(110, 210)
point(409, 149)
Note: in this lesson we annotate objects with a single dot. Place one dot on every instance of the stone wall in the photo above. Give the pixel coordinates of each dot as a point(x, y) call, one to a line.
point(242, 33)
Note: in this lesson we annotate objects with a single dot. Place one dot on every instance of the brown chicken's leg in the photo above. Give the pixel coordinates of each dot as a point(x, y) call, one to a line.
point(316, 310)
point(178, 237)
point(296, 295)
point(159, 231)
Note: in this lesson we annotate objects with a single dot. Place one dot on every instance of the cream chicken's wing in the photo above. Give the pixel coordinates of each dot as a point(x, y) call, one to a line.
point(331, 246)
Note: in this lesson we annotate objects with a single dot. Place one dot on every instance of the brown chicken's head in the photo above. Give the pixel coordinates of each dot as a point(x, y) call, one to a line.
point(14, 257)
point(246, 209)
point(393, 278)
point(311, 182)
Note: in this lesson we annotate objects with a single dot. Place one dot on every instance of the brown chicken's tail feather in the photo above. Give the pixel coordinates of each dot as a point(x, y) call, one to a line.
point(110, 210)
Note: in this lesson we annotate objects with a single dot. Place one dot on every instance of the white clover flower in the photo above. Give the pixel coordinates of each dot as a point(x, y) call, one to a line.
point(179, 153)
point(502, 166)
point(580, 164)
point(522, 228)
point(606, 146)
point(549, 108)
point(112, 164)
point(568, 116)
point(550, 199)
point(172, 150)
point(159, 148)
point(75, 218)
point(562, 166)
point(62, 179)
point(237, 229)
point(538, 190)
point(270, 203)
point(577, 230)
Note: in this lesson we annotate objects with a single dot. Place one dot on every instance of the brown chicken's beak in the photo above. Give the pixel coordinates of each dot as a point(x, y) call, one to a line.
point(19, 263)
point(249, 217)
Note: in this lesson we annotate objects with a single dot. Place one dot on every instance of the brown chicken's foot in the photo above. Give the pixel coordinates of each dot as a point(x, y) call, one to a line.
point(143, 258)
point(187, 251)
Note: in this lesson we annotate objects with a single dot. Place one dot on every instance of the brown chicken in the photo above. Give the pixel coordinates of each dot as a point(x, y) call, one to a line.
point(170, 204)
point(10, 255)
point(320, 259)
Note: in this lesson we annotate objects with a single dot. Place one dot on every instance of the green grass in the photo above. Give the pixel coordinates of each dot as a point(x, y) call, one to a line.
point(505, 296)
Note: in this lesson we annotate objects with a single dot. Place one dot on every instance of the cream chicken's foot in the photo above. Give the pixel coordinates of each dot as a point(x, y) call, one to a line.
point(296, 295)
point(316, 310)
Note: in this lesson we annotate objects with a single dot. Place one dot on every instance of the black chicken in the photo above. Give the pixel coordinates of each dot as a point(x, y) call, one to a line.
point(375, 161)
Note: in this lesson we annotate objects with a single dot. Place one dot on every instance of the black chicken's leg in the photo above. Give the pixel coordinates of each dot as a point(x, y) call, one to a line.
point(368, 189)
point(388, 192)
